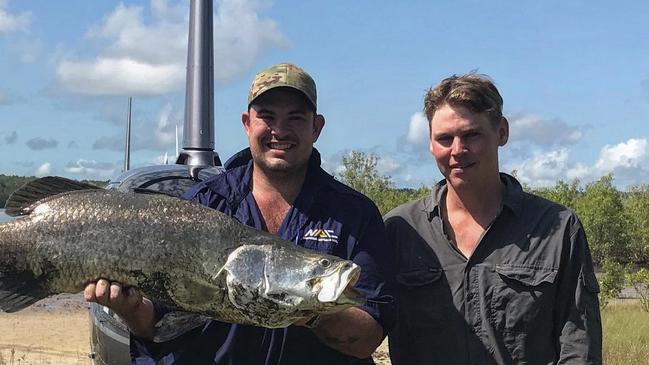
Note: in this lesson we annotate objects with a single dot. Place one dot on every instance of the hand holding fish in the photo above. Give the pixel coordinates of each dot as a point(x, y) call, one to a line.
point(127, 303)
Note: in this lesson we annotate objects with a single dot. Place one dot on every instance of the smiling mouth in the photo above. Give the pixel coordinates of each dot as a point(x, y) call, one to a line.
point(460, 167)
point(279, 146)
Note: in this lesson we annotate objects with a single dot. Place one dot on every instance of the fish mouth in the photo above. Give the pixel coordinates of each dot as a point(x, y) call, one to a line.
point(338, 288)
point(351, 296)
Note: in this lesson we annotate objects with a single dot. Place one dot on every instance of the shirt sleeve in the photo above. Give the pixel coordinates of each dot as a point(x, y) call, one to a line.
point(578, 321)
point(377, 271)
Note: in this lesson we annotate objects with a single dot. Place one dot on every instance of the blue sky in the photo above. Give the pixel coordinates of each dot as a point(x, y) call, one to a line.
point(574, 77)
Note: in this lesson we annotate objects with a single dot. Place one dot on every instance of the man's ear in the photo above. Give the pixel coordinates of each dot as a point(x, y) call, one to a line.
point(318, 124)
point(430, 137)
point(245, 120)
point(503, 132)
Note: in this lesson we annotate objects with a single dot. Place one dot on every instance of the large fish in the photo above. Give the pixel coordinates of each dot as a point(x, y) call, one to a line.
point(188, 256)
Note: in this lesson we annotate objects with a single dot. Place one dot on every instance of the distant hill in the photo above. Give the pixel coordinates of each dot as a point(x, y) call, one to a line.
point(8, 184)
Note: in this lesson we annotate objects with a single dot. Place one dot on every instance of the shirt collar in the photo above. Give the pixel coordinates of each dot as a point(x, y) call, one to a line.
point(315, 179)
point(512, 197)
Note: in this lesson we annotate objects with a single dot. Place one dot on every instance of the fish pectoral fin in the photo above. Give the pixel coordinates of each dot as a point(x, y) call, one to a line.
point(19, 291)
point(196, 294)
point(23, 198)
point(175, 324)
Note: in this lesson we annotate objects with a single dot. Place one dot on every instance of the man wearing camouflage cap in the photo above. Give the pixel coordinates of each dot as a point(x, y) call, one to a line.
point(277, 185)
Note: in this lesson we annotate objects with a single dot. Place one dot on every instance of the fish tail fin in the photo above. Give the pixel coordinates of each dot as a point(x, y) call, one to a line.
point(19, 291)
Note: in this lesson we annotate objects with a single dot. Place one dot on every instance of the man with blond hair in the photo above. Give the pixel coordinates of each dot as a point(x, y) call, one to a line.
point(487, 273)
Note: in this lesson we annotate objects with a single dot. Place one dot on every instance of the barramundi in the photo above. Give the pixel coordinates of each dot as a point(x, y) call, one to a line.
point(185, 255)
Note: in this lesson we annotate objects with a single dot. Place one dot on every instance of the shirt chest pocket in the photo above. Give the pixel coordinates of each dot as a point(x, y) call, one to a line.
point(424, 297)
point(522, 297)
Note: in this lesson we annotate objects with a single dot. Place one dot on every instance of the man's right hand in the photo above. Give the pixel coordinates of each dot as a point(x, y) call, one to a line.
point(127, 303)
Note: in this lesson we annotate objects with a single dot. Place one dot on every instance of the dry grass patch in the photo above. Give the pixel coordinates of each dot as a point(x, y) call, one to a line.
point(626, 333)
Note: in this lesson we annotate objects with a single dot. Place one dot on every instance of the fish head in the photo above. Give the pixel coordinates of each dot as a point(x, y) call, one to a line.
point(314, 280)
point(290, 281)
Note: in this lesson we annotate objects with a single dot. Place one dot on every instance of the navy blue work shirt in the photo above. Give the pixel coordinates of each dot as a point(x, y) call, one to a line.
point(327, 216)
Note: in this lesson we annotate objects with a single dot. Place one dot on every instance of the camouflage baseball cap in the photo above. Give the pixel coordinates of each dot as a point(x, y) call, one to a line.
point(283, 75)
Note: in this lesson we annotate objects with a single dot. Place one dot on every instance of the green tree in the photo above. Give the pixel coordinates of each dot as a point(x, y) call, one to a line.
point(396, 197)
point(602, 214)
point(361, 173)
point(612, 281)
point(640, 282)
point(9, 184)
point(636, 209)
point(566, 194)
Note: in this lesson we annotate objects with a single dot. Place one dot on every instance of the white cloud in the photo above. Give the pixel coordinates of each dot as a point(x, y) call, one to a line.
point(155, 135)
point(91, 169)
point(165, 132)
point(13, 22)
point(163, 159)
point(627, 154)
point(388, 166)
point(149, 58)
point(44, 169)
point(628, 161)
point(241, 37)
point(543, 169)
point(110, 76)
point(580, 172)
point(534, 129)
point(164, 41)
point(418, 130)
point(162, 9)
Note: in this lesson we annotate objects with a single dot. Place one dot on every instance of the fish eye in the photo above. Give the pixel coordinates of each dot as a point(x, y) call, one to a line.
point(325, 263)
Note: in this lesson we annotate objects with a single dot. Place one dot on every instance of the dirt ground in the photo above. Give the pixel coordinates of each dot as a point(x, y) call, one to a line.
point(56, 331)
point(51, 332)
point(381, 355)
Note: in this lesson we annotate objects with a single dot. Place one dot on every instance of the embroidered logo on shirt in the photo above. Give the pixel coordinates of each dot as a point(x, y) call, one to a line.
point(321, 235)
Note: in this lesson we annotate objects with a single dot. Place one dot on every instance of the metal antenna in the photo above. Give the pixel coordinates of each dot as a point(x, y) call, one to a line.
point(177, 150)
point(127, 147)
point(198, 137)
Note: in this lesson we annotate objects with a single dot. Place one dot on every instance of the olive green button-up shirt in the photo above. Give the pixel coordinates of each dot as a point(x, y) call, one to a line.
point(527, 294)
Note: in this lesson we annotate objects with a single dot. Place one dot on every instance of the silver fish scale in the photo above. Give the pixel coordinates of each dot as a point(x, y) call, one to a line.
point(158, 243)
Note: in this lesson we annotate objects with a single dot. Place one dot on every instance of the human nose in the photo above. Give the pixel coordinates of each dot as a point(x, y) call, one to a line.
point(458, 146)
point(279, 128)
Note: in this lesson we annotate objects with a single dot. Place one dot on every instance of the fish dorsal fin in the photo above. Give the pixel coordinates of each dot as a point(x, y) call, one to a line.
point(21, 200)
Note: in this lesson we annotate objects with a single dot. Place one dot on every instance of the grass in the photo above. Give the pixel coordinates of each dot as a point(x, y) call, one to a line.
point(28, 358)
point(626, 333)
point(625, 326)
